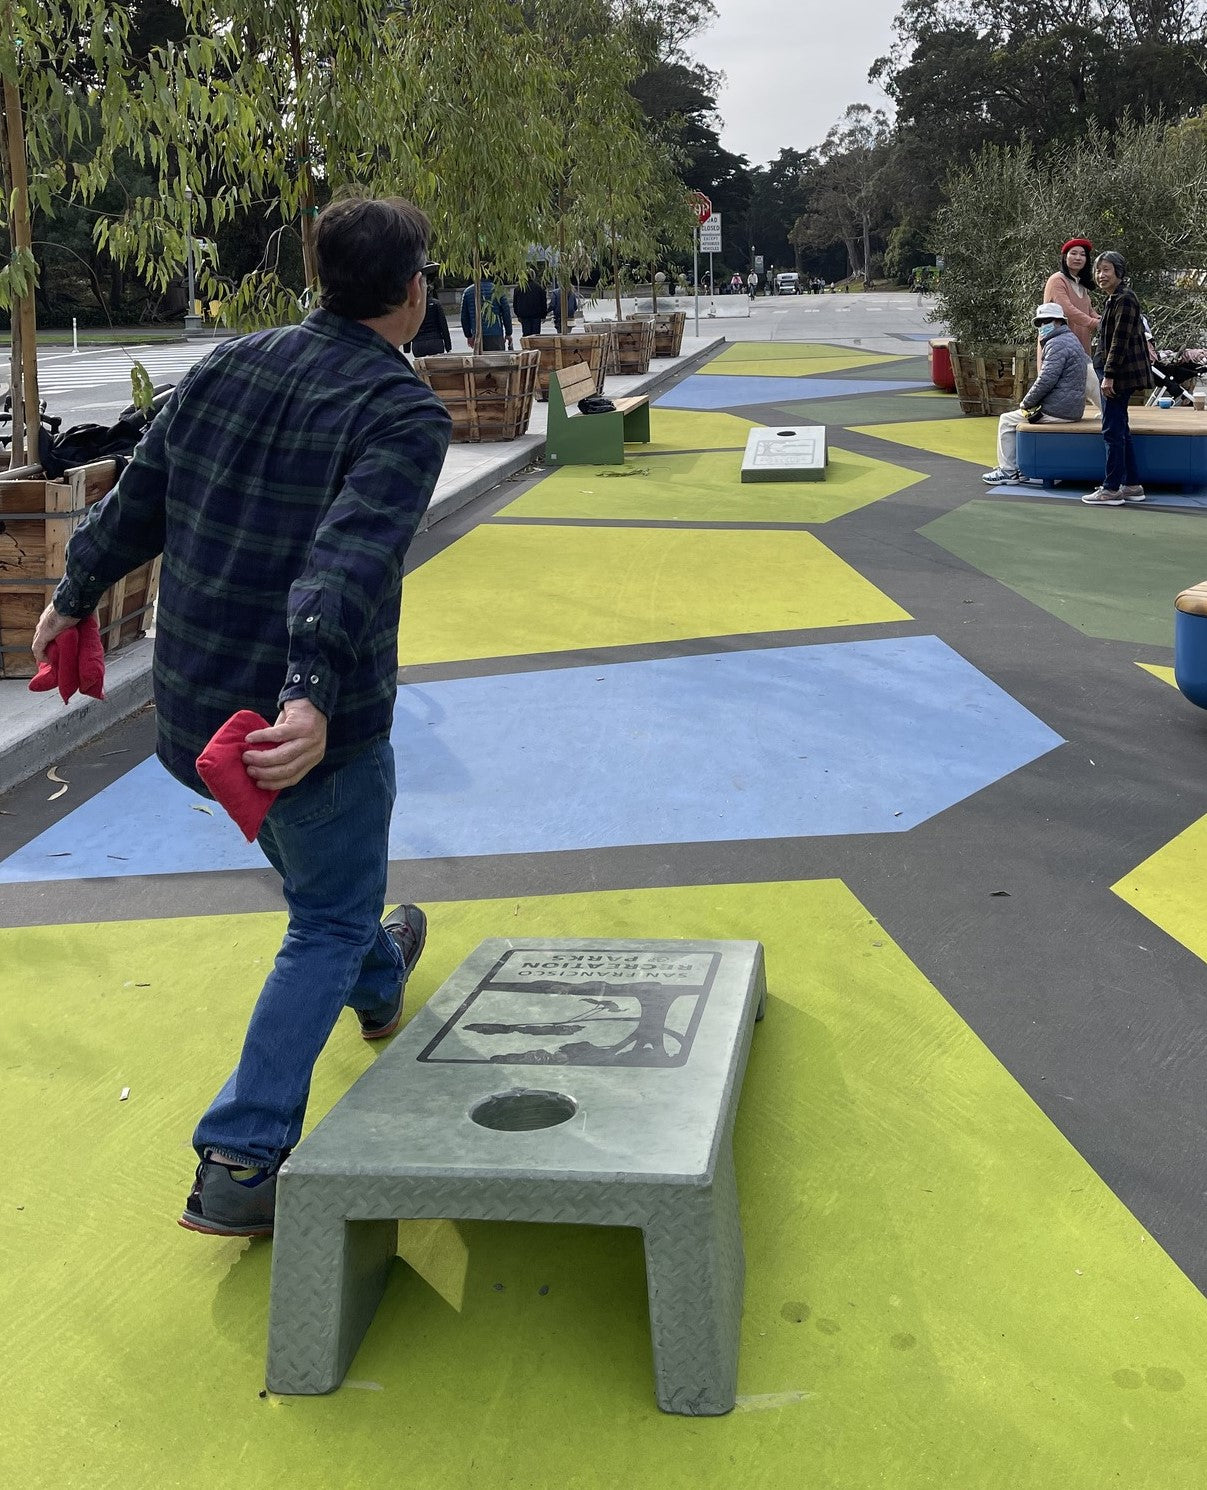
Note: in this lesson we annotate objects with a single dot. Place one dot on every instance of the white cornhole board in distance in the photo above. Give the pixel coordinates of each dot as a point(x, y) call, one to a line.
point(786, 453)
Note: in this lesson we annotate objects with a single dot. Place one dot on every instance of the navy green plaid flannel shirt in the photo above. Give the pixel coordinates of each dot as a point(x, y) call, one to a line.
point(283, 483)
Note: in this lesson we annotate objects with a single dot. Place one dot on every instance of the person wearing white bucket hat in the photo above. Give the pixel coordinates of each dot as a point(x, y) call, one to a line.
point(1056, 396)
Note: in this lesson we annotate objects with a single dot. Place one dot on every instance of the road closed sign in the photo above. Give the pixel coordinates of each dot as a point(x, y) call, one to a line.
point(710, 234)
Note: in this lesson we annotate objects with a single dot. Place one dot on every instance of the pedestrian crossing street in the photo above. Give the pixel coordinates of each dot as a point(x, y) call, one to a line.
point(71, 372)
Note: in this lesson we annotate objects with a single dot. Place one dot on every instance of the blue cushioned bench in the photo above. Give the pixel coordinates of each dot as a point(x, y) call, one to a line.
point(1171, 448)
point(1190, 643)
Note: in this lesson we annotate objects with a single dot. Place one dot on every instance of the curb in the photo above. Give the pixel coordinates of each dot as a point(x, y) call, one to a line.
point(128, 677)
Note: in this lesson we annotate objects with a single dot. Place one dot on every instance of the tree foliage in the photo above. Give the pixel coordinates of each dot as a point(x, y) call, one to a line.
point(1141, 189)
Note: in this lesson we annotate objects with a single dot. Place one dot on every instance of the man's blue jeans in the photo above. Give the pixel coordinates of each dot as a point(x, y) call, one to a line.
point(328, 841)
point(1120, 453)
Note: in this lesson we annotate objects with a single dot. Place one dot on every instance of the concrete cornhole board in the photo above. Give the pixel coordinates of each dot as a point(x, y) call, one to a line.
point(786, 453)
point(592, 1082)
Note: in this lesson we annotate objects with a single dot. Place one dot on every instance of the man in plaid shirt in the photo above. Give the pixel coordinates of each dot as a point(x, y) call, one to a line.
point(1123, 362)
point(283, 484)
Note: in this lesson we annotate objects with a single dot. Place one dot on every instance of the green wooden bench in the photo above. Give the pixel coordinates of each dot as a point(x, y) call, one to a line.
point(576, 439)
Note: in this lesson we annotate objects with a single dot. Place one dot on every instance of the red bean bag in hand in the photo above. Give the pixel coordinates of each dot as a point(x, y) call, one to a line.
point(75, 663)
point(220, 766)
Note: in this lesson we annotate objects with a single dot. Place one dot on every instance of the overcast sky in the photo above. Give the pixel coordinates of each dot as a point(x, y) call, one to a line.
point(791, 68)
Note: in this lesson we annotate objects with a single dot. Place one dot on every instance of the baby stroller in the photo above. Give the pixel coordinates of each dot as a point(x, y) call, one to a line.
point(1175, 374)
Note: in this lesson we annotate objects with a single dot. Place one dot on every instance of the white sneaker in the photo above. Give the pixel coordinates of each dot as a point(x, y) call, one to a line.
point(1104, 496)
point(999, 476)
point(1132, 493)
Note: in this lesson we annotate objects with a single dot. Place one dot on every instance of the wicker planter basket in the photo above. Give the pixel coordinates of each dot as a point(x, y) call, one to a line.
point(37, 517)
point(992, 381)
point(634, 343)
point(668, 332)
point(489, 396)
point(563, 351)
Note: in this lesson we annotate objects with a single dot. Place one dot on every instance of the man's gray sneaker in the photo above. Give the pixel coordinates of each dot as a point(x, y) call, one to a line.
point(1104, 496)
point(1132, 493)
point(407, 929)
point(230, 1202)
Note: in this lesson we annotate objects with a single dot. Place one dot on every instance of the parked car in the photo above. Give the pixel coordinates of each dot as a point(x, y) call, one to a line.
point(787, 283)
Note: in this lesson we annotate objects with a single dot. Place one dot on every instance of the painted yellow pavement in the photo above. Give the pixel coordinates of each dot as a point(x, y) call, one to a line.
point(940, 1292)
point(1166, 674)
point(973, 440)
point(1168, 888)
point(689, 429)
point(794, 367)
point(507, 590)
point(708, 488)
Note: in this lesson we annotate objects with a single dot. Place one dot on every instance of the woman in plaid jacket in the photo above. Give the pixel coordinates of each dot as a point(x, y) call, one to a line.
point(1123, 363)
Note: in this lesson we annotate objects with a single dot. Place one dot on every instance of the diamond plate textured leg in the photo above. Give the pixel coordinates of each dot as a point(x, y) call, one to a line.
point(328, 1275)
point(695, 1270)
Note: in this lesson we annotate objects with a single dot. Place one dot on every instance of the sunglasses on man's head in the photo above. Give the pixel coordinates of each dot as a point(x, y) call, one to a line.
point(430, 268)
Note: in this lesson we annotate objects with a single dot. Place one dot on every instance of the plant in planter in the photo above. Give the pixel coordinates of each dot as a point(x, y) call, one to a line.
point(71, 100)
point(987, 297)
point(485, 148)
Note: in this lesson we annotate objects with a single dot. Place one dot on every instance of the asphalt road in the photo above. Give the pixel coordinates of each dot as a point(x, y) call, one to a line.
point(93, 385)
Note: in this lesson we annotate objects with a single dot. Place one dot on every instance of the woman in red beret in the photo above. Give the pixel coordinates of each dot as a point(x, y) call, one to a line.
point(1070, 287)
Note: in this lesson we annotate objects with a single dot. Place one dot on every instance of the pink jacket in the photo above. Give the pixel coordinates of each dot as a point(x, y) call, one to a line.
point(1081, 315)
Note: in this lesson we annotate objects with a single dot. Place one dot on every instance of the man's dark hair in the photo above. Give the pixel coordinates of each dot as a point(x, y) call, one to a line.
point(368, 250)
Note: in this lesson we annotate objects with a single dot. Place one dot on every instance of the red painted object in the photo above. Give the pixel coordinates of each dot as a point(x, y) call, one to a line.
point(942, 374)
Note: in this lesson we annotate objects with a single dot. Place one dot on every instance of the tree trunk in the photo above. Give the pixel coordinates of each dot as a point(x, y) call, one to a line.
point(867, 250)
point(302, 145)
point(24, 314)
point(563, 288)
point(477, 348)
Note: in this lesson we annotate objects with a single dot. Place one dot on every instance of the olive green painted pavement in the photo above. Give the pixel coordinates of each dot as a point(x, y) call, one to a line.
point(940, 1292)
point(1111, 573)
point(708, 488)
point(858, 410)
point(969, 439)
point(506, 590)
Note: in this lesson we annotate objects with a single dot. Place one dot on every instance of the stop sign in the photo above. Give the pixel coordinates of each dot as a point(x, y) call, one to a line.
point(701, 206)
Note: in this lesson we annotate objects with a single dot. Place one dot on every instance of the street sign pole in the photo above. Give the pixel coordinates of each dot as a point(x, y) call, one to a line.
point(703, 210)
point(696, 274)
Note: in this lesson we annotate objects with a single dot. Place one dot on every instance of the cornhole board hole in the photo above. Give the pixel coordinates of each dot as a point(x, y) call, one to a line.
point(786, 454)
point(592, 1082)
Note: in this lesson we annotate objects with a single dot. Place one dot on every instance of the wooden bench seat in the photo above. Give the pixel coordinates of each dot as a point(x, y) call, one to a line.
point(1171, 447)
point(577, 439)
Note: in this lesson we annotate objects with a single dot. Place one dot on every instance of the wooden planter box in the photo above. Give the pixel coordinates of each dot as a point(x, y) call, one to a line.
point(37, 517)
point(564, 351)
point(992, 381)
point(489, 396)
point(634, 343)
point(668, 332)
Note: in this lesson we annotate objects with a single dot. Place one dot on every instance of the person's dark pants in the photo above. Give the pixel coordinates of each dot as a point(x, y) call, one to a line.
point(1120, 451)
point(530, 325)
point(493, 344)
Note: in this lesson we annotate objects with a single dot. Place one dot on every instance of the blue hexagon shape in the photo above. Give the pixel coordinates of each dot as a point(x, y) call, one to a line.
point(853, 737)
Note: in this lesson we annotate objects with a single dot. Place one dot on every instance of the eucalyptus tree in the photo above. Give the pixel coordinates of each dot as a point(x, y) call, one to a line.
point(483, 150)
point(72, 100)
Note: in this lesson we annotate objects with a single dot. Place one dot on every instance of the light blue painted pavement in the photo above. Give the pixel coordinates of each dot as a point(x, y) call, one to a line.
point(854, 737)
point(720, 391)
point(1073, 491)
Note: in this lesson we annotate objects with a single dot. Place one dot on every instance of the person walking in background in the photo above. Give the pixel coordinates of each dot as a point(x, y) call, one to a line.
point(433, 336)
point(1057, 395)
point(752, 283)
point(496, 316)
point(531, 305)
point(571, 307)
point(1070, 287)
point(1123, 364)
point(283, 483)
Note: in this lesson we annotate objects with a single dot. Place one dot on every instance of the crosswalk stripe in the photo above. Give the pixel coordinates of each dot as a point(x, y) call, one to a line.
point(163, 365)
